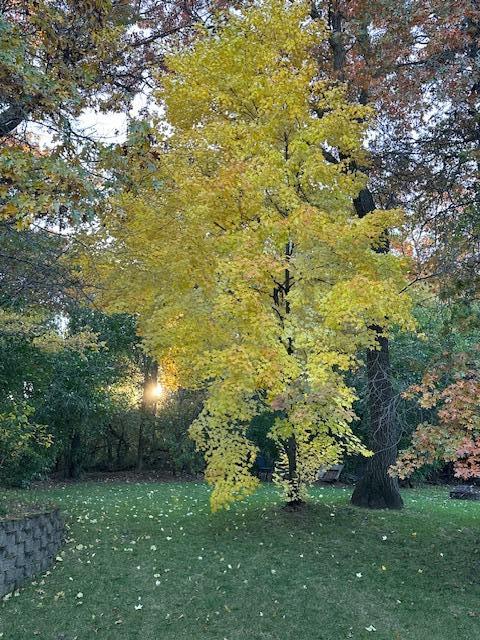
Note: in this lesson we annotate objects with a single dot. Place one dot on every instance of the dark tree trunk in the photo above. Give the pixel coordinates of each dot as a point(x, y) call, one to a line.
point(377, 490)
point(109, 453)
point(10, 118)
point(293, 500)
point(73, 466)
point(140, 443)
point(280, 298)
point(119, 453)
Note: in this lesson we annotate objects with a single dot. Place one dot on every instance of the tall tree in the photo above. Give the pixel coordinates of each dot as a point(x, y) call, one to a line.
point(404, 57)
point(376, 489)
point(242, 252)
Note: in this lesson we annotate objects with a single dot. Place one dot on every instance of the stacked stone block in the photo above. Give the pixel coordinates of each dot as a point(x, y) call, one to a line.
point(28, 546)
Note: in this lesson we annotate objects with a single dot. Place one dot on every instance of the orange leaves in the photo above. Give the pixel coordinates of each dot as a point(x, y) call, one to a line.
point(453, 390)
point(468, 463)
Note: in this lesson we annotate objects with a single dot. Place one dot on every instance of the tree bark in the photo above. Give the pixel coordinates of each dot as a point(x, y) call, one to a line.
point(294, 502)
point(73, 466)
point(377, 490)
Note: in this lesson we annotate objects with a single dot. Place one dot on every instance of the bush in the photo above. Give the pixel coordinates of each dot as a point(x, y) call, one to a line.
point(24, 446)
point(172, 448)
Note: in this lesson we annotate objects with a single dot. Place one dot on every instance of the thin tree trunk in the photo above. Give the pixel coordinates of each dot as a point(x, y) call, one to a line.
point(141, 425)
point(148, 407)
point(109, 453)
point(280, 298)
point(141, 443)
point(73, 466)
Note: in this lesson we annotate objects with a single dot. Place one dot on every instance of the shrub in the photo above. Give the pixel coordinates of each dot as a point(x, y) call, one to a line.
point(24, 445)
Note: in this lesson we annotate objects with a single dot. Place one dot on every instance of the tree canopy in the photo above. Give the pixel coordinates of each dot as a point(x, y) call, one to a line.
point(242, 253)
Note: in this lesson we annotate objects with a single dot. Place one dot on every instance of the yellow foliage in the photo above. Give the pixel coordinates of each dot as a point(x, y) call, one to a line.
point(241, 251)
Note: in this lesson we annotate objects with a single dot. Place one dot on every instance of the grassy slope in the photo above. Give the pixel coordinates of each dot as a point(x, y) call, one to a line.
point(255, 572)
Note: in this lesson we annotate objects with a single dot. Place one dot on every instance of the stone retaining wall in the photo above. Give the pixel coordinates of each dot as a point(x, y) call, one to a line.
point(28, 545)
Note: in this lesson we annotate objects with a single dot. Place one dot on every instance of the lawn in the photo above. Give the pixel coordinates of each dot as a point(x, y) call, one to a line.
point(148, 561)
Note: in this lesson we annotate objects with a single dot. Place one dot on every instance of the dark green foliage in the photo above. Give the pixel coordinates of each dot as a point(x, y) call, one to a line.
point(171, 447)
point(83, 375)
point(79, 403)
point(442, 328)
point(25, 451)
point(75, 404)
point(258, 432)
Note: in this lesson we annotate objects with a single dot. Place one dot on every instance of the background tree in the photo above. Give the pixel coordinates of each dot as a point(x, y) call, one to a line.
point(28, 343)
point(71, 378)
point(24, 445)
point(403, 57)
point(60, 60)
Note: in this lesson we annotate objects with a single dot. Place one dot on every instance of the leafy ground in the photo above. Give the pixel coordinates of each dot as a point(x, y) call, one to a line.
point(148, 561)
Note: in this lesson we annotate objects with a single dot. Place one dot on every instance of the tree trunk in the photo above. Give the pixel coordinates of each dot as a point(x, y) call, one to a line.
point(294, 501)
point(378, 490)
point(10, 118)
point(281, 302)
point(73, 467)
point(119, 452)
point(150, 373)
point(109, 452)
point(140, 443)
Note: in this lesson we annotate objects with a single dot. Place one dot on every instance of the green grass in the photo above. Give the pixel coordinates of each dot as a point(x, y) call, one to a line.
point(255, 572)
